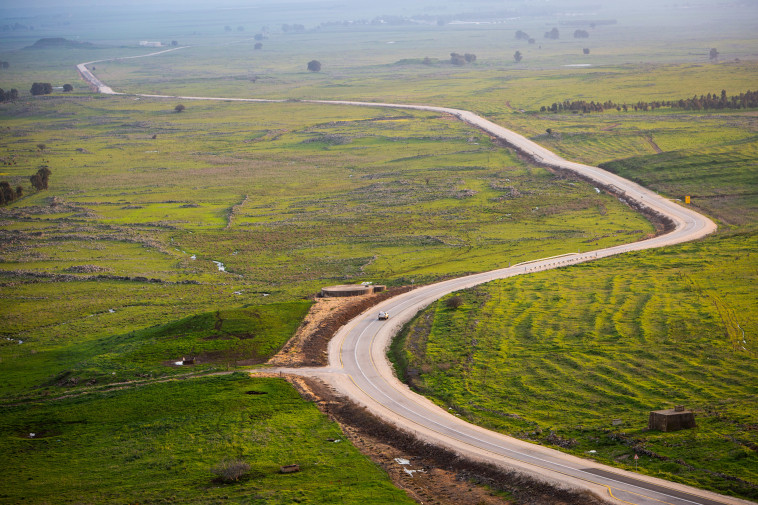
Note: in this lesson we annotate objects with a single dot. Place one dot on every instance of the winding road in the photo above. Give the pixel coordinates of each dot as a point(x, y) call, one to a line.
point(358, 366)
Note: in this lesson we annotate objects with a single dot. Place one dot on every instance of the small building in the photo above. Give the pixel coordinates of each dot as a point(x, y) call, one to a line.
point(147, 43)
point(674, 419)
point(351, 290)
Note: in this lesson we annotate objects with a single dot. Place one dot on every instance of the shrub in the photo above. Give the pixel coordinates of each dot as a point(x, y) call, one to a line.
point(454, 302)
point(230, 470)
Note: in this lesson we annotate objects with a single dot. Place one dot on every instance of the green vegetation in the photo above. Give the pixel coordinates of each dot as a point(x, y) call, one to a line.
point(209, 342)
point(133, 228)
point(556, 356)
point(113, 273)
point(159, 443)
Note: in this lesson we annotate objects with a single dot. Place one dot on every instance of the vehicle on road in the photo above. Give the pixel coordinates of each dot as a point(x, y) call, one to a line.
point(383, 316)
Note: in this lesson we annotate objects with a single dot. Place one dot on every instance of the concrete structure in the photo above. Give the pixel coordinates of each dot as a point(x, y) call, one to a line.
point(672, 419)
point(351, 290)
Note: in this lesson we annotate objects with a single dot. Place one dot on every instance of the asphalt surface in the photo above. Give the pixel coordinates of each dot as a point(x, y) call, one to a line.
point(359, 369)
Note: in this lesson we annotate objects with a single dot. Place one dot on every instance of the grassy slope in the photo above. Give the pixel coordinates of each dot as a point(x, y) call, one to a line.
point(157, 444)
point(216, 340)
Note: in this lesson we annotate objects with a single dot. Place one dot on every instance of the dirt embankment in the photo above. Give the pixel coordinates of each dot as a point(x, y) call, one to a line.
point(309, 345)
point(430, 474)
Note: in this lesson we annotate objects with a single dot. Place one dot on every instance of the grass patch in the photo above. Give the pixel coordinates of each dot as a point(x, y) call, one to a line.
point(159, 444)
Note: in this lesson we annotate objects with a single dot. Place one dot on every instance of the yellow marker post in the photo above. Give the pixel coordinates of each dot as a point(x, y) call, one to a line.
point(687, 199)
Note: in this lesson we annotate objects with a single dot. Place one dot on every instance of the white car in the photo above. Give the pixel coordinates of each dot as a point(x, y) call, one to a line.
point(383, 316)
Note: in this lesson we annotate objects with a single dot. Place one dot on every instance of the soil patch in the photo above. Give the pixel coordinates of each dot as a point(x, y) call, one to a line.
point(308, 347)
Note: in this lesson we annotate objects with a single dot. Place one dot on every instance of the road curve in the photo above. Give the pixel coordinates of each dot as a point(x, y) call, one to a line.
point(358, 365)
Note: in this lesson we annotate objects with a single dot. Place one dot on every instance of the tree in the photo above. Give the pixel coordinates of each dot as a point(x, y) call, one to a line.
point(41, 88)
point(457, 59)
point(4, 64)
point(240, 28)
point(19, 192)
point(7, 191)
point(68, 87)
point(174, 43)
point(521, 35)
point(179, 108)
point(470, 58)
point(39, 180)
point(517, 56)
point(581, 34)
point(227, 28)
point(714, 54)
point(258, 46)
point(41, 147)
point(586, 50)
point(314, 66)
point(552, 34)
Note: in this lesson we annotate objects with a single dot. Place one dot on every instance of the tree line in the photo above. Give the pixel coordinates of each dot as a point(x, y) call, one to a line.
point(8, 96)
point(711, 101)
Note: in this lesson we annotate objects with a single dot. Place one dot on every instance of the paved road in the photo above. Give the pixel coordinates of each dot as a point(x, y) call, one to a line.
point(359, 367)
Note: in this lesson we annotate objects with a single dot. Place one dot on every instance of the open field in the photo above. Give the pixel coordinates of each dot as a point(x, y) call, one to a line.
point(288, 197)
point(113, 269)
point(158, 444)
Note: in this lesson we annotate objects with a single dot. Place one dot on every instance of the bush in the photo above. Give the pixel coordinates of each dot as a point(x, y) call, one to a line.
point(314, 66)
point(230, 470)
point(454, 302)
point(179, 108)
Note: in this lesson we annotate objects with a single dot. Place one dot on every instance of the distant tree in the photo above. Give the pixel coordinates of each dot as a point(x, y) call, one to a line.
point(314, 66)
point(7, 192)
point(521, 35)
point(179, 108)
point(532, 41)
point(227, 28)
point(517, 56)
point(258, 46)
point(427, 61)
point(41, 147)
point(298, 28)
point(39, 180)
point(41, 88)
point(240, 28)
point(4, 64)
point(457, 59)
point(581, 34)
point(174, 43)
point(68, 87)
point(549, 131)
point(258, 36)
point(552, 34)
point(11, 95)
point(714, 54)
point(470, 58)
point(285, 27)
point(454, 302)
point(586, 50)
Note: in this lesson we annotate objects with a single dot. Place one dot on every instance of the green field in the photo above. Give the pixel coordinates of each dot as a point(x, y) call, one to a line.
point(158, 444)
point(112, 274)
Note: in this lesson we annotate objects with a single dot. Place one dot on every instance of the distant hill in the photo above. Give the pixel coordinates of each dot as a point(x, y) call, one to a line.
point(59, 42)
